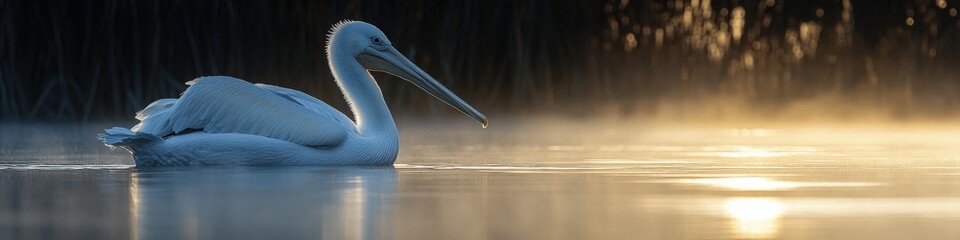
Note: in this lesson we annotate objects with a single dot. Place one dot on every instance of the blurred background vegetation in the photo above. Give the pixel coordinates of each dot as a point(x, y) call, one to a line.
point(889, 59)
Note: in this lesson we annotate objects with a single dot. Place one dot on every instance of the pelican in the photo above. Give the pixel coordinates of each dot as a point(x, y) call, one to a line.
point(222, 120)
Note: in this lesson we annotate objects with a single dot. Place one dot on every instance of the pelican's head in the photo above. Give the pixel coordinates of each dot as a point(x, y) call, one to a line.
point(371, 48)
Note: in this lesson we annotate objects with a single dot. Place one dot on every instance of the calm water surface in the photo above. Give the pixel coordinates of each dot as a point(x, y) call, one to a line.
point(511, 181)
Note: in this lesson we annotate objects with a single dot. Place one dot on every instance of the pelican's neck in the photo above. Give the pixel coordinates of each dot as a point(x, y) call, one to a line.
point(364, 97)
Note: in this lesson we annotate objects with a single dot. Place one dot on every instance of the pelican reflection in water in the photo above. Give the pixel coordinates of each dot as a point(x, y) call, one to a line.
point(224, 120)
point(297, 203)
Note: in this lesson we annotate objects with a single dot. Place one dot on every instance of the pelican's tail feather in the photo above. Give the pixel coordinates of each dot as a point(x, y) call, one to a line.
point(122, 137)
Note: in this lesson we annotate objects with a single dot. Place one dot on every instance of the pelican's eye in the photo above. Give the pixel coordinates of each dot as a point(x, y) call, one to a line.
point(379, 44)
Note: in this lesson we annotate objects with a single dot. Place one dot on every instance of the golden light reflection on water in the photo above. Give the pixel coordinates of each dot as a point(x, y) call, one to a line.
point(747, 151)
point(352, 224)
point(768, 184)
point(750, 132)
point(747, 183)
point(754, 218)
point(751, 152)
point(134, 189)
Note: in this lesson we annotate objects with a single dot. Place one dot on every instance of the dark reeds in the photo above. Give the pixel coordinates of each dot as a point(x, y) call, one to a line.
point(78, 60)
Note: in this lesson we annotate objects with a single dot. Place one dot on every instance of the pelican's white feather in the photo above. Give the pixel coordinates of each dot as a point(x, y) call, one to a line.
point(229, 105)
point(153, 118)
point(156, 107)
point(311, 103)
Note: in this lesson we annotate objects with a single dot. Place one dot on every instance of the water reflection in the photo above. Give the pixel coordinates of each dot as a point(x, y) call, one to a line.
point(754, 152)
point(757, 183)
point(754, 218)
point(653, 184)
point(230, 203)
point(747, 183)
point(751, 152)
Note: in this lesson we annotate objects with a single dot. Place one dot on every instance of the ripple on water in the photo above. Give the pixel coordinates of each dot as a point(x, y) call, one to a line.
point(60, 167)
point(766, 184)
point(501, 168)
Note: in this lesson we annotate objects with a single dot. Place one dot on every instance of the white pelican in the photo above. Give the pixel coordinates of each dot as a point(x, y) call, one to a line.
point(224, 120)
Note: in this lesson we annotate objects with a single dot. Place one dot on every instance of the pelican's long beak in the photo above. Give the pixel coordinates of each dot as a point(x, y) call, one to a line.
point(391, 61)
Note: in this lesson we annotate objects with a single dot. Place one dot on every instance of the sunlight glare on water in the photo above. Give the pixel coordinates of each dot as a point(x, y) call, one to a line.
point(754, 218)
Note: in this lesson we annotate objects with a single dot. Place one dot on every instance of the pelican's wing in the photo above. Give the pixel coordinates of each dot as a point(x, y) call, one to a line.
point(225, 104)
point(153, 118)
point(310, 103)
